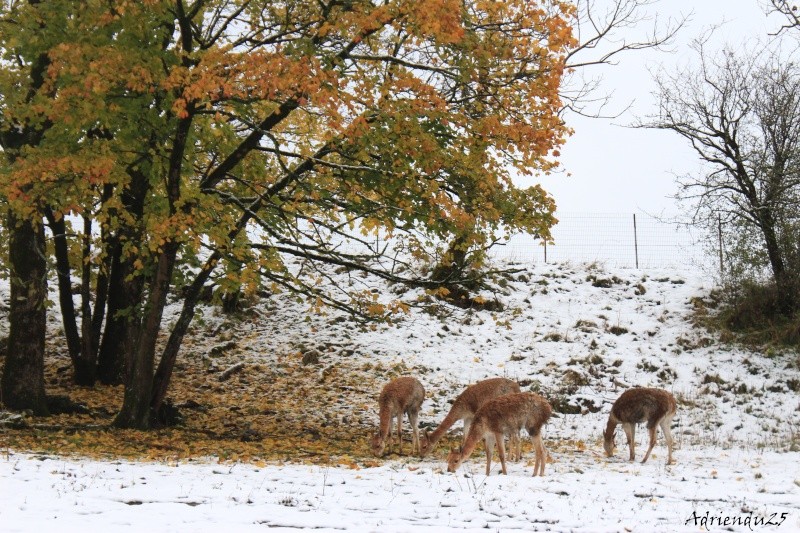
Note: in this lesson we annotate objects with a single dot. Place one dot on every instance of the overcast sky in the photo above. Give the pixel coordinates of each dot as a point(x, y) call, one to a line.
point(615, 169)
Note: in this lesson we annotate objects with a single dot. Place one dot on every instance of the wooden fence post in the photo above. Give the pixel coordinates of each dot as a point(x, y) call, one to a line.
point(635, 241)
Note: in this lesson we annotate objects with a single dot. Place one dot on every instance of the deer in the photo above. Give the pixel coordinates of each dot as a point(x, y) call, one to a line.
point(501, 416)
point(466, 405)
point(657, 407)
point(403, 395)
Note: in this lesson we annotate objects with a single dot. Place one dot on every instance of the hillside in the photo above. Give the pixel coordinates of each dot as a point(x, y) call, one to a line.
point(578, 334)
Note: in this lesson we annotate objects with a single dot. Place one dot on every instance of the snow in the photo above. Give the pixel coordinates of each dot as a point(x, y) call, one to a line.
point(577, 333)
point(581, 492)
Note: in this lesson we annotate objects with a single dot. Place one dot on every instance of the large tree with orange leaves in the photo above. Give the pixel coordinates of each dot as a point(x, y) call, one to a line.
point(248, 132)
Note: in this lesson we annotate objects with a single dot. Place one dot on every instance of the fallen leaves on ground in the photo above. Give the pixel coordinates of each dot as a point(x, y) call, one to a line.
point(272, 409)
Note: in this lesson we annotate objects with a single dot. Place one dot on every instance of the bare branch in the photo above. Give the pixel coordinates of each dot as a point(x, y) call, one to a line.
point(603, 36)
point(789, 11)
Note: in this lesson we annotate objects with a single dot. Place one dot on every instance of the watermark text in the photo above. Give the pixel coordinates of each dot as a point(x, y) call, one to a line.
point(748, 520)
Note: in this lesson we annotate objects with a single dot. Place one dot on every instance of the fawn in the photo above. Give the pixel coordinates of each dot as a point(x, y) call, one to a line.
point(401, 395)
point(655, 406)
point(501, 416)
point(466, 405)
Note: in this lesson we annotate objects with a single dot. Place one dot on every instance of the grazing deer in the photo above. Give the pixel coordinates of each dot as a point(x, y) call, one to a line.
point(655, 406)
point(466, 405)
point(501, 416)
point(399, 396)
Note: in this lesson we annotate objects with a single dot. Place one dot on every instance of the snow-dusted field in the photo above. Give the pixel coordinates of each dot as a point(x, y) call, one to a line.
point(581, 492)
point(579, 334)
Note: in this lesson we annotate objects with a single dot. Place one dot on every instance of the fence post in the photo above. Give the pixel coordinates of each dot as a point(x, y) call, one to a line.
point(635, 241)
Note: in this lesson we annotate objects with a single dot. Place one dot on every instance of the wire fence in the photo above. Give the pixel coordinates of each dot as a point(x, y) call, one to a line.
point(621, 240)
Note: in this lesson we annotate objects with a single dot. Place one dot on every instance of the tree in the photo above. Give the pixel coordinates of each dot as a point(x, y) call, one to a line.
point(741, 114)
point(23, 374)
point(22, 384)
point(433, 150)
point(264, 131)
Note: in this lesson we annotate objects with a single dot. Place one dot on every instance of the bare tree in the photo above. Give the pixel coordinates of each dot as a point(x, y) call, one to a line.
point(741, 114)
point(788, 10)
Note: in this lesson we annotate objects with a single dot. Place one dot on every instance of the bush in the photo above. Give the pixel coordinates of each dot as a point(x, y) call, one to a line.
point(761, 312)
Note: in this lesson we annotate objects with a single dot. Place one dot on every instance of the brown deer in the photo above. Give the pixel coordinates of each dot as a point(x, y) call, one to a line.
point(466, 405)
point(655, 406)
point(502, 416)
point(400, 396)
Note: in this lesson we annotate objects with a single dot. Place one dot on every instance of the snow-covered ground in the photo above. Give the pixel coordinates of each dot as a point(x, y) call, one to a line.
point(581, 492)
point(578, 334)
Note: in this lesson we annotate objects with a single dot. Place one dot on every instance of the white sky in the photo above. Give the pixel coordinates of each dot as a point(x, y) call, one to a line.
point(615, 169)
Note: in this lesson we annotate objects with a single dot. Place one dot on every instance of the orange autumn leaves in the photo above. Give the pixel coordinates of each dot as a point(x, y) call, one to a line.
point(405, 58)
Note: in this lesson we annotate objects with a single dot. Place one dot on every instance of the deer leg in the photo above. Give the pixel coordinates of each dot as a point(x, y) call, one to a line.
point(427, 439)
point(489, 442)
point(665, 427)
point(652, 431)
point(501, 451)
point(400, 432)
point(467, 425)
point(513, 447)
point(630, 433)
point(412, 419)
point(541, 455)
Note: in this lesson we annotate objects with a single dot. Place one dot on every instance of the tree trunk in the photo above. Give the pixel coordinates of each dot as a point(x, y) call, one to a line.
point(101, 287)
point(125, 288)
point(22, 385)
point(135, 412)
point(83, 363)
point(231, 302)
point(122, 322)
point(774, 254)
point(63, 271)
point(100, 300)
point(86, 371)
point(787, 292)
point(170, 354)
point(453, 263)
